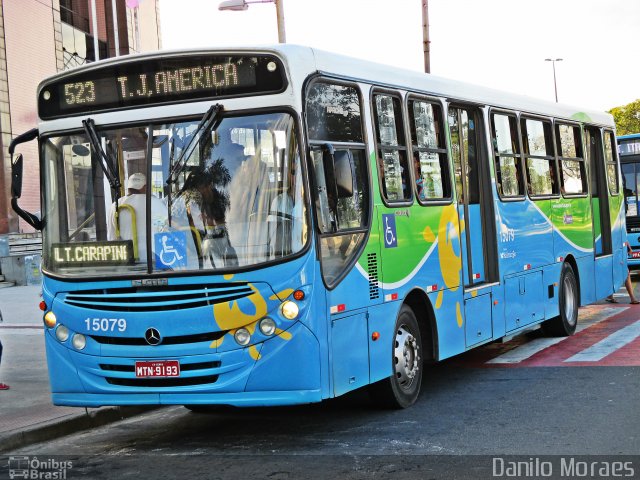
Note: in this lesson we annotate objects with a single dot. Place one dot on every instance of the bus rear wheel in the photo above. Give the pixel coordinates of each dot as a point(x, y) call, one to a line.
point(568, 300)
point(402, 388)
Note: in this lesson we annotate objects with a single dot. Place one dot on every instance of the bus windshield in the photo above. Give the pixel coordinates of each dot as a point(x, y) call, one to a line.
point(199, 199)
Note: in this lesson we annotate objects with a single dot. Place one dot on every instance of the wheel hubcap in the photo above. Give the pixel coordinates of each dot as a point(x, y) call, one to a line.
point(407, 356)
point(569, 301)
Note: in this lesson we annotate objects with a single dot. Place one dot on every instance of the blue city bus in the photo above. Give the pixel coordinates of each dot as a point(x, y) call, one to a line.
point(283, 225)
point(629, 151)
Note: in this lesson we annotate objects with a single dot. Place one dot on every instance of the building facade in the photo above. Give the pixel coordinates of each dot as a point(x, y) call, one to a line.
point(39, 38)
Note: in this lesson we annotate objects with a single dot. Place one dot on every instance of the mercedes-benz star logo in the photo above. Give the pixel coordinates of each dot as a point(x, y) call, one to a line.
point(152, 336)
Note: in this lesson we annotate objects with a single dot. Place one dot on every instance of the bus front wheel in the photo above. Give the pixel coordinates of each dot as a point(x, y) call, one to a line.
point(568, 300)
point(402, 388)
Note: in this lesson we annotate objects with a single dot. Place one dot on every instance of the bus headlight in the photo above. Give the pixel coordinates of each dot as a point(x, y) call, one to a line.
point(242, 336)
point(50, 319)
point(62, 333)
point(290, 310)
point(79, 341)
point(267, 326)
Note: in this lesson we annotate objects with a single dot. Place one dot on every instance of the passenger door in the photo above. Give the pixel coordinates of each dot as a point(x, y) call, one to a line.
point(600, 212)
point(465, 143)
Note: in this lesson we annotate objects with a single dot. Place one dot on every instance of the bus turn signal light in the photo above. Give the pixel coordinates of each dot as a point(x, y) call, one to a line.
point(42, 305)
point(50, 319)
point(298, 295)
point(375, 336)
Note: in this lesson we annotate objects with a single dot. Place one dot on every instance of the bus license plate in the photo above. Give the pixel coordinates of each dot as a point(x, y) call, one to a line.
point(635, 254)
point(160, 368)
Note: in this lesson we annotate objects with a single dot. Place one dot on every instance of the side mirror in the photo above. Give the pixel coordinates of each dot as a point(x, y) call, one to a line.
point(343, 167)
point(16, 177)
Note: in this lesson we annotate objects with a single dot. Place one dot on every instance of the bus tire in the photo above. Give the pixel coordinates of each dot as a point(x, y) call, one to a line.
point(565, 324)
point(402, 388)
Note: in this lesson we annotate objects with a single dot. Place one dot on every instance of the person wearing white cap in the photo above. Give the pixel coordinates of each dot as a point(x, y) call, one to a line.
point(136, 198)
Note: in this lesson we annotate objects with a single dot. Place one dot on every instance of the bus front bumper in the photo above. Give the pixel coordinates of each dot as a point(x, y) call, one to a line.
point(240, 399)
point(283, 370)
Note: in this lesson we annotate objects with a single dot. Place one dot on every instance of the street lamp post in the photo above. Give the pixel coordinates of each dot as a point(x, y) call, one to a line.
point(426, 43)
point(553, 63)
point(241, 5)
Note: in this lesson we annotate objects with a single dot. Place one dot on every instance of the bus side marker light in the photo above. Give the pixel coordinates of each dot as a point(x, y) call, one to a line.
point(555, 284)
point(527, 266)
point(476, 276)
point(560, 259)
point(432, 288)
point(79, 341)
point(290, 310)
point(495, 302)
point(42, 305)
point(391, 296)
point(375, 336)
point(50, 319)
point(62, 333)
point(338, 308)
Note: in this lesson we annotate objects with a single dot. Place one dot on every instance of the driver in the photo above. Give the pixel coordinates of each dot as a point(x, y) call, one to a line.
point(123, 227)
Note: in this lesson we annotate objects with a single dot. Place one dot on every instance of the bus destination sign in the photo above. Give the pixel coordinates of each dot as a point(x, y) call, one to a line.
point(160, 81)
point(96, 254)
point(629, 147)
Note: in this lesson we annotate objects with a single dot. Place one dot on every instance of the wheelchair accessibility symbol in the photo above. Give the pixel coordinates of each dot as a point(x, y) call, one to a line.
point(170, 249)
point(389, 226)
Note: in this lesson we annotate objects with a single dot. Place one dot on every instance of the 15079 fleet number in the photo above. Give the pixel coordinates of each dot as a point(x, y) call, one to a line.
point(106, 324)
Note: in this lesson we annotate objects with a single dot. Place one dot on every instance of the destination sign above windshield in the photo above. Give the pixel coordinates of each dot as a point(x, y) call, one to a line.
point(97, 254)
point(160, 81)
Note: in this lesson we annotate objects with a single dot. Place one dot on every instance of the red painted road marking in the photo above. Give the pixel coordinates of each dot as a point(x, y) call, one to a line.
point(533, 350)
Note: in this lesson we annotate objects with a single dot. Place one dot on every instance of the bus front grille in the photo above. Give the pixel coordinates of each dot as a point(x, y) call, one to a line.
point(177, 340)
point(162, 382)
point(202, 375)
point(188, 367)
point(155, 299)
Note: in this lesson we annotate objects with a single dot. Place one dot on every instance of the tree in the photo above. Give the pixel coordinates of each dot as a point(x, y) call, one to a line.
point(627, 118)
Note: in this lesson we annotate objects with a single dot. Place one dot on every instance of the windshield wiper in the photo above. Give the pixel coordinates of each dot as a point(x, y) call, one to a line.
point(209, 122)
point(108, 164)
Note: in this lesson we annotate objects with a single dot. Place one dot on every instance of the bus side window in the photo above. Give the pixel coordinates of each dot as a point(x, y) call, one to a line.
point(572, 165)
point(611, 159)
point(429, 151)
point(539, 156)
point(506, 149)
point(393, 166)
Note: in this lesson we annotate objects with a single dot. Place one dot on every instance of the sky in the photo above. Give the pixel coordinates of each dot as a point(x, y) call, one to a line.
point(496, 43)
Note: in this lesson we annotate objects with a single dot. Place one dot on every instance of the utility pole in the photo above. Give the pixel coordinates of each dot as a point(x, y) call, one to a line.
point(425, 36)
point(282, 38)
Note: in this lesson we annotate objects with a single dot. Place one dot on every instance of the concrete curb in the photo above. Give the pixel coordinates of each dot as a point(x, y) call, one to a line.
point(49, 430)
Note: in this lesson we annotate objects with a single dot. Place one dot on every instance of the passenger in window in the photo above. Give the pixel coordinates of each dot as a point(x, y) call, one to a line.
point(122, 225)
point(250, 197)
point(231, 153)
point(420, 187)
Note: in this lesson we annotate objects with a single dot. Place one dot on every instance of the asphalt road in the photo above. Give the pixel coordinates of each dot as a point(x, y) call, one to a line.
point(470, 411)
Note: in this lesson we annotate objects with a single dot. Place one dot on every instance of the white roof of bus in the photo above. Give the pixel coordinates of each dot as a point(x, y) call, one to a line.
point(302, 61)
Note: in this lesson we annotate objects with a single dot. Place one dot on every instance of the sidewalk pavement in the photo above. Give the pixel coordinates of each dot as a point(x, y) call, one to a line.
point(26, 412)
